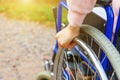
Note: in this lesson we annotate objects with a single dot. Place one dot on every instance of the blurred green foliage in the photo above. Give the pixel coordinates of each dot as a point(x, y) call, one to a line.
point(37, 10)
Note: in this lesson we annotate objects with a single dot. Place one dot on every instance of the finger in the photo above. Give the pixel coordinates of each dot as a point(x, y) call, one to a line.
point(72, 45)
point(56, 36)
point(60, 43)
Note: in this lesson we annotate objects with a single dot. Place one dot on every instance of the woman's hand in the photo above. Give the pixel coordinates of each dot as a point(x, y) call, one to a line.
point(65, 37)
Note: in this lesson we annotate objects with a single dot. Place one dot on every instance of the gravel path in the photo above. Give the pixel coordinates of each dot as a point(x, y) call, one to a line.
point(24, 46)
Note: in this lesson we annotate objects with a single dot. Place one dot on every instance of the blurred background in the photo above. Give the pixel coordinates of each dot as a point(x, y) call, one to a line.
point(26, 29)
point(31, 10)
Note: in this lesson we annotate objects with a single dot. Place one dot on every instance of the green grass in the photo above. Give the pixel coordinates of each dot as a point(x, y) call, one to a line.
point(40, 11)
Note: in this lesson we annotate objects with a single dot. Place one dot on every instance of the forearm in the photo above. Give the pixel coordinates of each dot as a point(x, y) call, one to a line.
point(78, 9)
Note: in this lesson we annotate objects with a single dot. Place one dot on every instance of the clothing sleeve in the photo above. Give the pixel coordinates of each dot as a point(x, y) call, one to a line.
point(116, 6)
point(78, 9)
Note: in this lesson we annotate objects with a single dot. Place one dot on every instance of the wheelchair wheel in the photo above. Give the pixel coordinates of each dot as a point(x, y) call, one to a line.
point(44, 76)
point(77, 63)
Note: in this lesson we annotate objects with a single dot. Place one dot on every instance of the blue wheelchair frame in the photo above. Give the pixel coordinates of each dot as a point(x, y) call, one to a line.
point(108, 32)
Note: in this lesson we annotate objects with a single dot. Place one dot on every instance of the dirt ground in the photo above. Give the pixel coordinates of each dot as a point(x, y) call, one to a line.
point(24, 46)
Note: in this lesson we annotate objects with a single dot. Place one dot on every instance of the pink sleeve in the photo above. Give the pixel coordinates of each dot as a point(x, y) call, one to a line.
point(78, 9)
point(116, 6)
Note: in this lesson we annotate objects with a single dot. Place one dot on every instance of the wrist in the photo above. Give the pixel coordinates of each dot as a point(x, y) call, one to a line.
point(74, 28)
